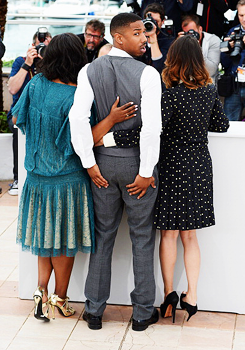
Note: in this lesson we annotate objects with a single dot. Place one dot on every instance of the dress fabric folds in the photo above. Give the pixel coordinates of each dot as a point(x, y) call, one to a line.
point(185, 199)
point(56, 206)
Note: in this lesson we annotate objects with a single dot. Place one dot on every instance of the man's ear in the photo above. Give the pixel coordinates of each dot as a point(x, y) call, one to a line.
point(118, 38)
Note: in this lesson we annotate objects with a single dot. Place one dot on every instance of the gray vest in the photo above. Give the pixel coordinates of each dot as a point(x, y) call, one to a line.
point(112, 76)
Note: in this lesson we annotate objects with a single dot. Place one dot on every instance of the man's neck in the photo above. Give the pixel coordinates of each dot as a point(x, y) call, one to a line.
point(201, 38)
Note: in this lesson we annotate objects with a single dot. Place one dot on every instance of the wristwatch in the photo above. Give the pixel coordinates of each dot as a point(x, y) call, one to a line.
point(25, 66)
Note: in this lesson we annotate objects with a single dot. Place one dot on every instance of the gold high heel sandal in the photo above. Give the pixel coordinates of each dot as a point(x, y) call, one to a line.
point(39, 305)
point(65, 309)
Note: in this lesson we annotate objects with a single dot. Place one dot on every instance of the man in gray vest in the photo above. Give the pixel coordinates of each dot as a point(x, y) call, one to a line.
point(121, 176)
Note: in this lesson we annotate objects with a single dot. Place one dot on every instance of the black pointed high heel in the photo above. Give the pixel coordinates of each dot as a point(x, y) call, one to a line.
point(192, 310)
point(171, 299)
point(38, 310)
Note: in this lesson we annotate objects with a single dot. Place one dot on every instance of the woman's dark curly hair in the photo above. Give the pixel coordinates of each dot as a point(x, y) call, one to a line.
point(64, 57)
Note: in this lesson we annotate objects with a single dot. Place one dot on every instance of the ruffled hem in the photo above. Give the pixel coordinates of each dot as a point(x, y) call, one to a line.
point(56, 215)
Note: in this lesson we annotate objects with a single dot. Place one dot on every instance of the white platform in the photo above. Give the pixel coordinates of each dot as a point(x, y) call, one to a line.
point(6, 156)
point(222, 283)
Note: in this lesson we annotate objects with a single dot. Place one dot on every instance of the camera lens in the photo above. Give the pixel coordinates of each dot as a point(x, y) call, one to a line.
point(148, 26)
point(40, 49)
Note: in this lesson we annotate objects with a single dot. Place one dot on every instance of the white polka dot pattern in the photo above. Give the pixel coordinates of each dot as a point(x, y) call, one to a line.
point(185, 199)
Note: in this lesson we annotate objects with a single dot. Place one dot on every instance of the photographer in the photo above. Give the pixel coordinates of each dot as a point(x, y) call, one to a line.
point(21, 73)
point(233, 62)
point(93, 38)
point(174, 9)
point(158, 40)
point(209, 43)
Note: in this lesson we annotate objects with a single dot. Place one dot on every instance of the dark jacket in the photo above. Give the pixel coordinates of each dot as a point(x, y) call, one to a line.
point(212, 19)
point(173, 9)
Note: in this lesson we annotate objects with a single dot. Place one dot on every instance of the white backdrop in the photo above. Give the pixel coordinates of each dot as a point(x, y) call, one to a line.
point(221, 284)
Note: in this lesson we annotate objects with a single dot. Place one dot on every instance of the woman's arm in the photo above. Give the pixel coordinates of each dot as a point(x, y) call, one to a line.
point(117, 115)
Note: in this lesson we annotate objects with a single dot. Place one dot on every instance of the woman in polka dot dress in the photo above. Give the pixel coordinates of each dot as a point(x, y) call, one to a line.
point(190, 108)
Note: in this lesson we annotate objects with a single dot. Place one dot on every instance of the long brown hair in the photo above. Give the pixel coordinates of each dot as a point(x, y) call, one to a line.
point(185, 63)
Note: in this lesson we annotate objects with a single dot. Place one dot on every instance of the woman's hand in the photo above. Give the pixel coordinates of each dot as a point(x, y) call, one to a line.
point(14, 120)
point(140, 185)
point(120, 114)
point(96, 177)
point(99, 143)
point(117, 115)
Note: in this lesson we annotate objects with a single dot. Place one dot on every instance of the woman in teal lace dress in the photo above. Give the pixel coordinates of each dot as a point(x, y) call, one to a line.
point(56, 207)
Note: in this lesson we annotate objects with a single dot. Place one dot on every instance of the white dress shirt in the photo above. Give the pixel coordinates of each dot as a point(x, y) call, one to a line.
point(81, 135)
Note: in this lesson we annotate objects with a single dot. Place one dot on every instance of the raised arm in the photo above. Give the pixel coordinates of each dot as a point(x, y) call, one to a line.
point(16, 81)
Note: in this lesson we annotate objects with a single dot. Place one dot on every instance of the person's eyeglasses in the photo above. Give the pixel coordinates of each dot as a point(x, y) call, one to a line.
point(90, 36)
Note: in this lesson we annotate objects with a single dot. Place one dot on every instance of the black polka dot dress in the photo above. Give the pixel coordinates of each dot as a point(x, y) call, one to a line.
point(185, 198)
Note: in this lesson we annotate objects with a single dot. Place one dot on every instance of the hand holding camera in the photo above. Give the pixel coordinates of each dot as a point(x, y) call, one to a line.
point(150, 24)
point(191, 32)
point(151, 28)
point(31, 55)
point(234, 42)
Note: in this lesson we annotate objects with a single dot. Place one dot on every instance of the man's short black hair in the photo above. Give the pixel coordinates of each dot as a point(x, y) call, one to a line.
point(155, 8)
point(123, 20)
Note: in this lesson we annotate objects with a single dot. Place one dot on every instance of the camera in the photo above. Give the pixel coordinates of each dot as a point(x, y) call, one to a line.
point(237, 37)
point(193, 33)
point(41, 35)
point(149, 23)
point(168, 27)
point(134, 4)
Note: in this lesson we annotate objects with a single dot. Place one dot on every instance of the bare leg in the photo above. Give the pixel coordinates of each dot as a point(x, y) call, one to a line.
point(45, 269)
point(168, 255)
point(192, 263)
point(62, 268)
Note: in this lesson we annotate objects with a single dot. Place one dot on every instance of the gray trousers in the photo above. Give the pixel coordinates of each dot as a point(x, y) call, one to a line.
point(108, 205)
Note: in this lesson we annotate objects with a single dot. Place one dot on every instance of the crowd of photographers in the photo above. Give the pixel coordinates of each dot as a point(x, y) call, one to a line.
point(164, 22)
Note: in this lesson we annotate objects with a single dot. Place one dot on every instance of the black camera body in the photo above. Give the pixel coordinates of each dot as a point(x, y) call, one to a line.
point(169, 27)
point(149, 23)
point(41, 35)
point(193, 33)
point(237, 37)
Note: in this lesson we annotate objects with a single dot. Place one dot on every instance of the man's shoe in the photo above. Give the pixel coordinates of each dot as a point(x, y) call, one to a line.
point(94, 322)
point(13, 191)
point(141, 325)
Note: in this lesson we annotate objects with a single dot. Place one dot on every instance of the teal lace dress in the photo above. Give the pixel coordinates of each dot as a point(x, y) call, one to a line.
point(56, 207)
